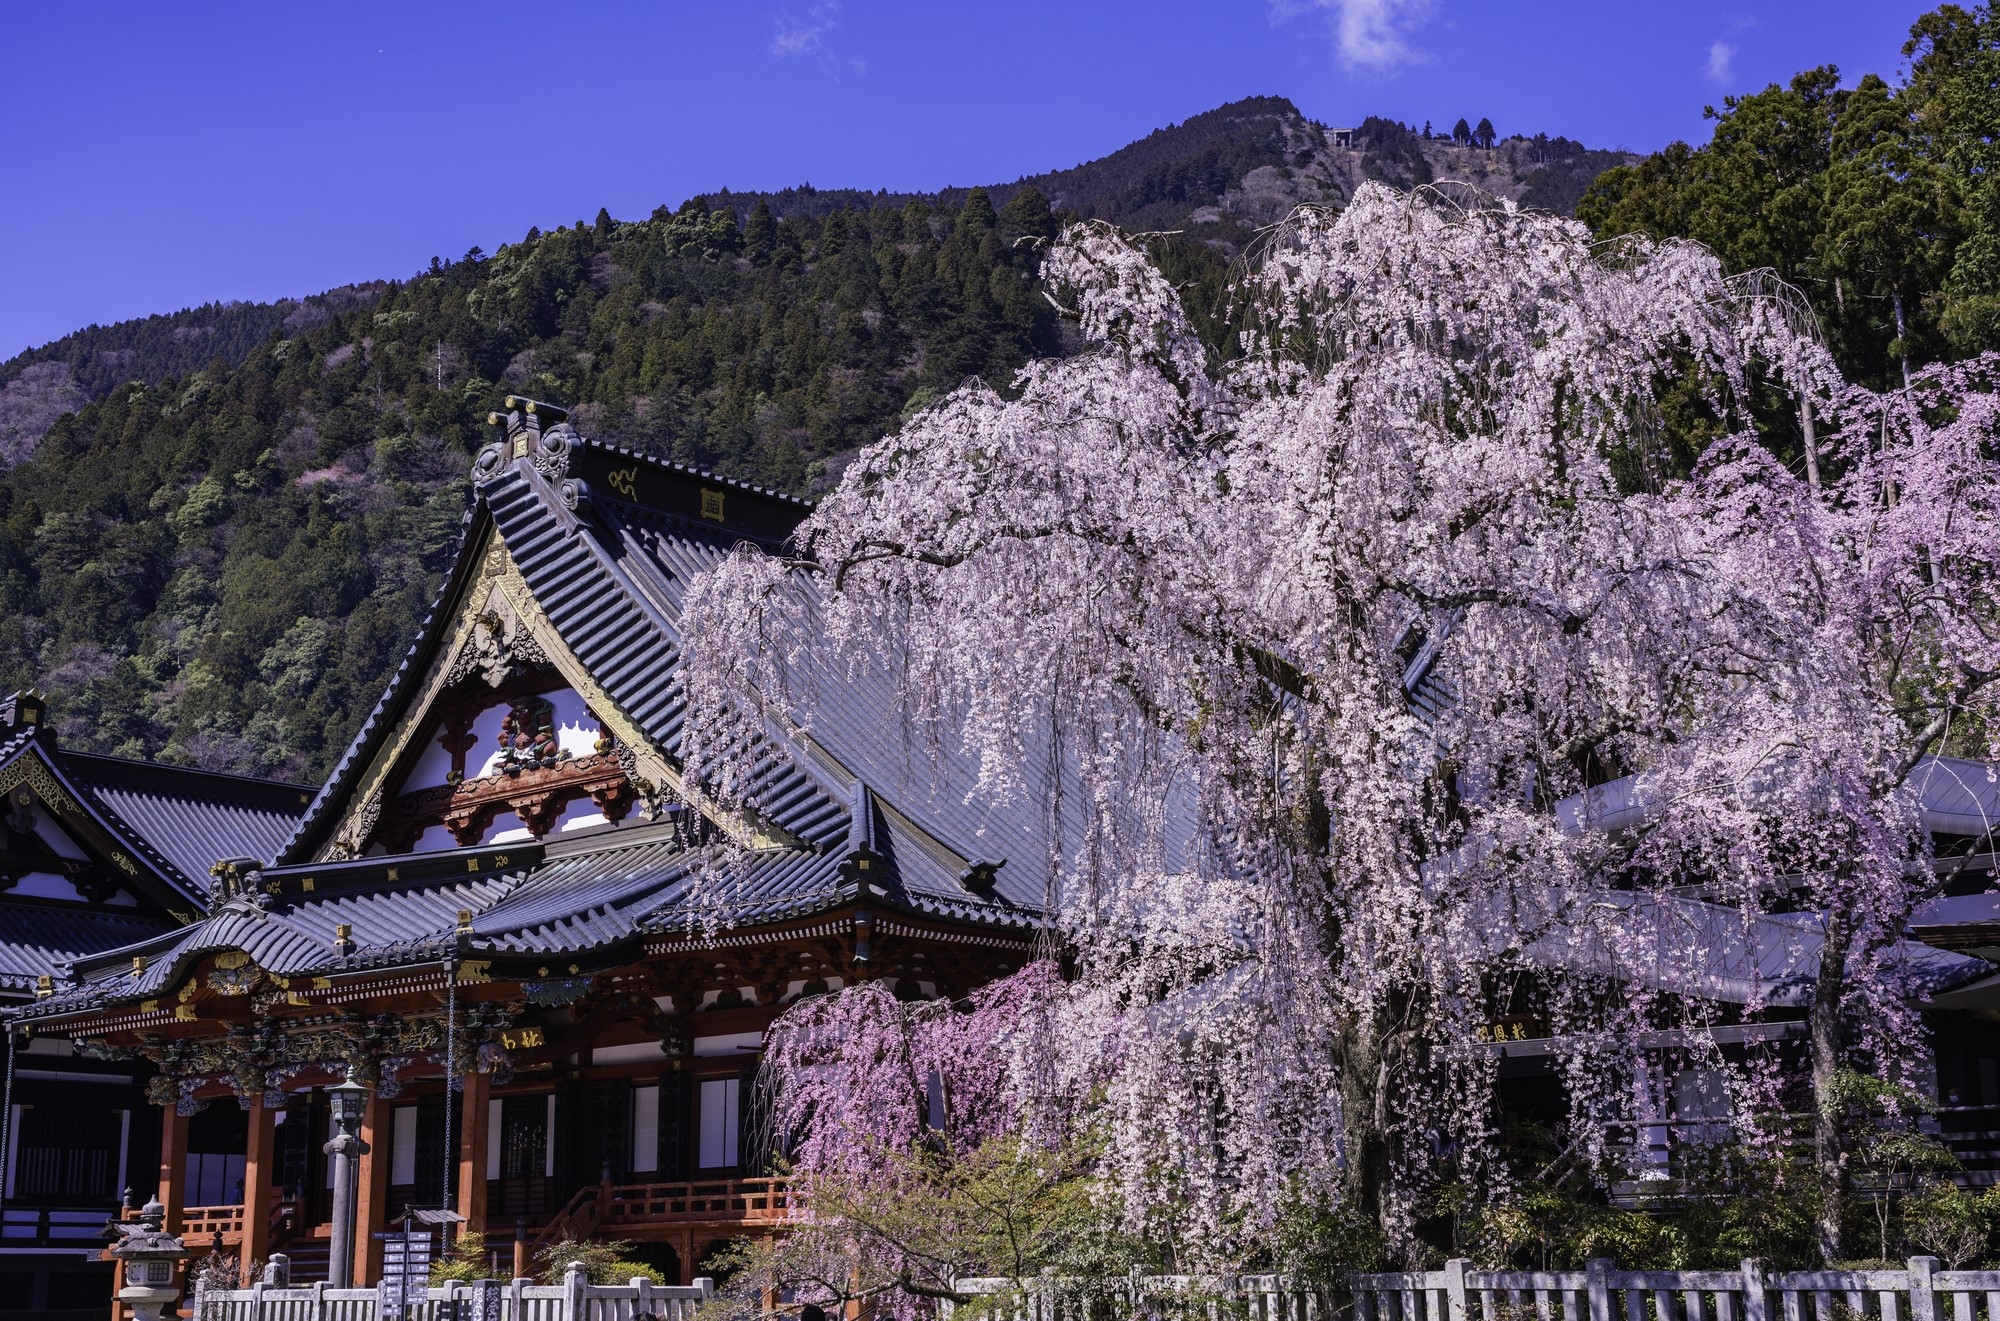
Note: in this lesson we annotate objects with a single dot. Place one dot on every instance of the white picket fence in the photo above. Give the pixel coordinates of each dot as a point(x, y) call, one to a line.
point(1600, 1292)
point(575, 1299)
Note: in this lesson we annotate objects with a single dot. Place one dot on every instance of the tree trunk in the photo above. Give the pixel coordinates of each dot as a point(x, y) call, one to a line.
point(1829, 1155)
point(1902, 335)
point(1364, 1101)
point(1812, 440)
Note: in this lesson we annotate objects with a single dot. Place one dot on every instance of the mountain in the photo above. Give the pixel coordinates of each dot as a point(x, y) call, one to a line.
point(220, 527)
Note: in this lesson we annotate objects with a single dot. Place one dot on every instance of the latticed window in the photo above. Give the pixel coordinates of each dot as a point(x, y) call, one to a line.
point(524, 1137)
point(68, 1151)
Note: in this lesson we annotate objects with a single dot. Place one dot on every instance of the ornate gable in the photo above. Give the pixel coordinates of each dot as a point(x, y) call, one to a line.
point(58, 847)
point(553, 635)
point(506, 737)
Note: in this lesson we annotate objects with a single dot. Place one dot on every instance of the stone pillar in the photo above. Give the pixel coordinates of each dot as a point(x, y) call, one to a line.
point(372, 1193)
point(472, 1133)
point(259, 1156)
point(172, 1190)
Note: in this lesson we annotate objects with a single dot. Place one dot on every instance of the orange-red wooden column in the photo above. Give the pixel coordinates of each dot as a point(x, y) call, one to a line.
point(259, 1156)
point(371, 1192)
point(472, 1152)
point(173, 1165)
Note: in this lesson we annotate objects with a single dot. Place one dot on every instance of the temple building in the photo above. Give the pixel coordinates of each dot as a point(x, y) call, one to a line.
point(550, 960)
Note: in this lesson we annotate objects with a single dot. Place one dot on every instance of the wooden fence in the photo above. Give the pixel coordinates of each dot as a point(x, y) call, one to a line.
point(575, 1299)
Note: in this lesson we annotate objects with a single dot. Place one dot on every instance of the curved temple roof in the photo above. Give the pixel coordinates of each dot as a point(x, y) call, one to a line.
point(159, 828)
point(862, 817)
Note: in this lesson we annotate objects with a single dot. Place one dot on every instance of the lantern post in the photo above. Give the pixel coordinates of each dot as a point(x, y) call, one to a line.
point(349, 1100)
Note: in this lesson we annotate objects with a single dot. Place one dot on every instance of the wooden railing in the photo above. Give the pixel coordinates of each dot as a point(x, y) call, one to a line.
point(756, 1202)
point(200, 1224)
point(747, 1203)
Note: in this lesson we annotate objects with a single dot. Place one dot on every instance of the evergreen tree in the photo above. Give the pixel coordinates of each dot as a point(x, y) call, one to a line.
point(1954, 95)
point(760, 233)
point(1461, 132)
point(1887, 233)
point(1027, 213)
point(1483, 135)
point(977, 213)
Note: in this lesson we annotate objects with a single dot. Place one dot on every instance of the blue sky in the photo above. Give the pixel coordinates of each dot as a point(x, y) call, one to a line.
point(161, 155)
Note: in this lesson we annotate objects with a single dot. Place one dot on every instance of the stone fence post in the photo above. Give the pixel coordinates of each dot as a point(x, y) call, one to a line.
point(1923, 1295)
point(1597, 1284)
point(1454, 1289)
point(1756, 1294)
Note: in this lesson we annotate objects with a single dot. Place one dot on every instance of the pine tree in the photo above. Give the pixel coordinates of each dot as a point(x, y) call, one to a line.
point(760, 233)
point(1483, 135)
point(977, 212)
point(1027, 213)
point(1461, 132)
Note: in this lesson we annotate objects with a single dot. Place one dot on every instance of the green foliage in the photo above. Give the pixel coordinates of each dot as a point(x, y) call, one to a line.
point(1550, 1210)
point(1008, 1208)
point(223, 568)
point(1319, 1244)
point(1942, 1220)
point(1880, 201)
point(465, 1262)
point(605, 1261)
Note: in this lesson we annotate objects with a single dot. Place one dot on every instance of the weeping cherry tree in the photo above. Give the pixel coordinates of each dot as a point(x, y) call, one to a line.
point(1314, 660)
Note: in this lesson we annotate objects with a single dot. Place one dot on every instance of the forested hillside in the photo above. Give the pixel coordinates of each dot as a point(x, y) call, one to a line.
point(223, 525)
point(1880, 201)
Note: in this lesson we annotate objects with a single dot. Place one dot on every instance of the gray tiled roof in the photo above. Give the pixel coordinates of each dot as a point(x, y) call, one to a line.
point(193, 818)
point(36, 939)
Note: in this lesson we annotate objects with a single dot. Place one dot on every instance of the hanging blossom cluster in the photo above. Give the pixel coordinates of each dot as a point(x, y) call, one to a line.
point(857, 1078)
point(1380, 684)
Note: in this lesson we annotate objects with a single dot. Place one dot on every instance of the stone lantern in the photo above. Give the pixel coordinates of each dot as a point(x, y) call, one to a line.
point(148, 1254)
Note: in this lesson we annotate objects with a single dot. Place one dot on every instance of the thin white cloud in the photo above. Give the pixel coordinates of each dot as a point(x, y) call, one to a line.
point(803, 36)
point(1371, 36)
point(1721, 62)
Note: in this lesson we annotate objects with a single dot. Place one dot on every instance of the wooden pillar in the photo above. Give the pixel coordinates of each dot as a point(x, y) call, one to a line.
point(259, 1156)
point(371, 1193)
point(473, 1112)
point(172, 1189)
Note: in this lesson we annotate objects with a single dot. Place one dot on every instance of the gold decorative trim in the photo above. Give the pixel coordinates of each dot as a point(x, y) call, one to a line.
point(30, 771)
